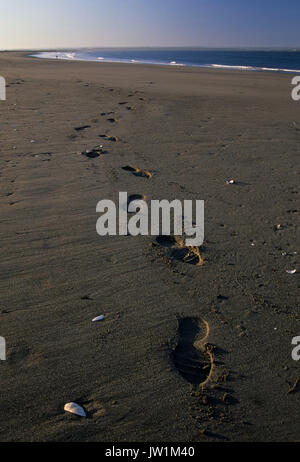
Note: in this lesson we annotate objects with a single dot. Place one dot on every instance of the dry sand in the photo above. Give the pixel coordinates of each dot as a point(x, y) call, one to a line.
point(186, 353)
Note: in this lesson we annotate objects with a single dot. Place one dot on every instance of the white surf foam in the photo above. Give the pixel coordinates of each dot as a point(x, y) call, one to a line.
point(81, 56)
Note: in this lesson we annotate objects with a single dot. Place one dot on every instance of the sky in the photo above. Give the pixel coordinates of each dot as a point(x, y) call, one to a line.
point(51, 24)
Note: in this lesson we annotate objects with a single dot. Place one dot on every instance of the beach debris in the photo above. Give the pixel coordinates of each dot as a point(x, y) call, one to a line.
point(33, 141)
point(230, 181)
point(84, 127)
point(74, 408)
point(294, 271)
point(287, 254)
point(294, 387)
point(99, 318)
point(278, 228)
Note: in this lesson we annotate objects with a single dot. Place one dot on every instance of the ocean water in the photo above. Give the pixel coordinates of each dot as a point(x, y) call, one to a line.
point(261, 60)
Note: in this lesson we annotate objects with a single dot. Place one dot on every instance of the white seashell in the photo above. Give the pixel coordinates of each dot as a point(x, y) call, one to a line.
point(99, 318)
point(292, 271)
point(230, 182)
point(74, 408)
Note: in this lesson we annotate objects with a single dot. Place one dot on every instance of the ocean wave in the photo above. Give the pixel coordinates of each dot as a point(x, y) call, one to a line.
point(226, 66)
point(253, 68)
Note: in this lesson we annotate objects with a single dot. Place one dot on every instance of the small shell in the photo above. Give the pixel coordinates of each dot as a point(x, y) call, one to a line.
point(99, 318)
point(74, 408)
point(230, 182)
point(292, 271)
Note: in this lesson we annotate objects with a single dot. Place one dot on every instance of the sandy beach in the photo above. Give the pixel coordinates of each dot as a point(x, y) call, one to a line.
point(186, 352)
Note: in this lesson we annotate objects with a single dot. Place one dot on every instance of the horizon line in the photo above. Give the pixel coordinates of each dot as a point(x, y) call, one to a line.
point(193, 47)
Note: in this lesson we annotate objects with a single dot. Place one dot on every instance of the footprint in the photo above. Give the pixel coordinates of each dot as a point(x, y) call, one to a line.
point(123, 103)
point(114, 139)
point(112, 120)
point(135, 197)
point(80, 129)
point(72, 136)
point(177, 250)
point(130, 108)
point(192, 356)
point(138, 172)
point(94, 153)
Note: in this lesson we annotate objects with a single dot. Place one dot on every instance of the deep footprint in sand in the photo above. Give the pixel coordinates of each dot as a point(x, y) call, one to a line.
point(112, 120)
point(114, 139)
point(134, 198)
point(177, 250)
point(94, 153)
point(192, 357)
point(138, 172)
point(80, 129)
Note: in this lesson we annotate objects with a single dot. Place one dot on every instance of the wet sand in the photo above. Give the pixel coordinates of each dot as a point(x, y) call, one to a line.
point(186, 352)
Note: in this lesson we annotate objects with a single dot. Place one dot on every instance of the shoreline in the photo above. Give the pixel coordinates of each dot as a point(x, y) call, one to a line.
point(67, 57)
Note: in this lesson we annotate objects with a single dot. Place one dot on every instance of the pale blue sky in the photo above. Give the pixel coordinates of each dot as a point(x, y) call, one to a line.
point(104, 23)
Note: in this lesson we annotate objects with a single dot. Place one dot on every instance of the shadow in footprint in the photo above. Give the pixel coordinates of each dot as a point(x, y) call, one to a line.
point(80, 129)
point(190, 357)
